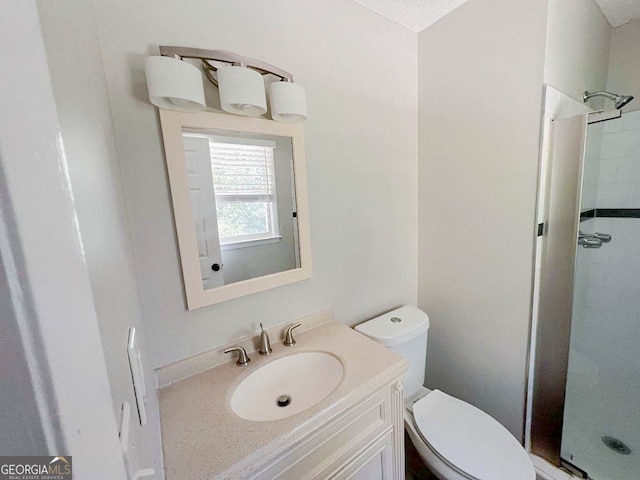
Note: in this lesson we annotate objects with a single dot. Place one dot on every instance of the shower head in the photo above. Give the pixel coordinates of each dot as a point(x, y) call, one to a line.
point(618, 100)
point(621, 100)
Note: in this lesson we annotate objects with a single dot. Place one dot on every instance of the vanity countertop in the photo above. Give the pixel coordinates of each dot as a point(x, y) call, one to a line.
point(203, 439)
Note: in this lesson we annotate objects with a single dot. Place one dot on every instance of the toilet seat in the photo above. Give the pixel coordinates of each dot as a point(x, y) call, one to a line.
point(470, 441)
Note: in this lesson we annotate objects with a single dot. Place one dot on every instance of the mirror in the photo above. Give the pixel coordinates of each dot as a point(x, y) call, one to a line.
point(238, 187)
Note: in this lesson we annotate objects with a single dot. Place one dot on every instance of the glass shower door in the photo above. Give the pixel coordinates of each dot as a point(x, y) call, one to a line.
point(601, 426)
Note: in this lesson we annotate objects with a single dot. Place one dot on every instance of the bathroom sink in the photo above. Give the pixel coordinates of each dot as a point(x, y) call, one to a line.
point(287, 386)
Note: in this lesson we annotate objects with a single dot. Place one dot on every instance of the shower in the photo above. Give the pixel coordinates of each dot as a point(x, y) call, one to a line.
point(619, 100)
point(585, 384)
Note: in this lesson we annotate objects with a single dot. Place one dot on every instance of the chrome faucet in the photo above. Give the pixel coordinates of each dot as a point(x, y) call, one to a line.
point(593, 240)
point(243, 359)
point(265, 344)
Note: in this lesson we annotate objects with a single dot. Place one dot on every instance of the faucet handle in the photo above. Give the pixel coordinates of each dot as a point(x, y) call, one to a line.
point(243, 359)
point(288, 338)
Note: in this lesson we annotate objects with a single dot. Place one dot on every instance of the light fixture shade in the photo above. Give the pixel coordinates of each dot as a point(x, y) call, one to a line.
point(241, 91)
point(174, 84)
point(288, 102)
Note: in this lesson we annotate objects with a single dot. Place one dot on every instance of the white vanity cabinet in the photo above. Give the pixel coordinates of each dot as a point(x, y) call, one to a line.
point(365, 442)
point(356, 432)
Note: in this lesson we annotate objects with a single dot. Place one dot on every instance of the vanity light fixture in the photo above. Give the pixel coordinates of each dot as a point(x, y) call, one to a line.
point(177, 85)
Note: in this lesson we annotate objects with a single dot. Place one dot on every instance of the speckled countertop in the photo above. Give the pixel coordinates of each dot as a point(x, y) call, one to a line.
point(203, 439)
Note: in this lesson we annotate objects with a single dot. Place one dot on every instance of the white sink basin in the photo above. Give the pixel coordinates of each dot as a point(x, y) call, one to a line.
point(287, 386)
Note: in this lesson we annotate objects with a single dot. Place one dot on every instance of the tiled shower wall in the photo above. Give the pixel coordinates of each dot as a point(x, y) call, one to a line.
point(603, 386)
point(619, 177)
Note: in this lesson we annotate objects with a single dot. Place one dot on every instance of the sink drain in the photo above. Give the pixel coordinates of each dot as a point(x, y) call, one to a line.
point(283, 400)
point(616, 445)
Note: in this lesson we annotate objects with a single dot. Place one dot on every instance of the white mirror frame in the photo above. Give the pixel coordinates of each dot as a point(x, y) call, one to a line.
point(173, 123)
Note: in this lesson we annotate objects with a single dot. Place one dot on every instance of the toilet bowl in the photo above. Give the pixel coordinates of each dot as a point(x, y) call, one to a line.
point(456, 440)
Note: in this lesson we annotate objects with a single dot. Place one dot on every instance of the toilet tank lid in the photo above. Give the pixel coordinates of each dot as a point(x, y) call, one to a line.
point(395, 327)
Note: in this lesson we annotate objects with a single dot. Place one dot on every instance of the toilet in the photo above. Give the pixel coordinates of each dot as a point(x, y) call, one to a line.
point(456, 440)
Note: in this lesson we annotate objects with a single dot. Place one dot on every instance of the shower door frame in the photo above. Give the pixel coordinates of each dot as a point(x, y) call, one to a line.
point(555, 262)
point(555, 283)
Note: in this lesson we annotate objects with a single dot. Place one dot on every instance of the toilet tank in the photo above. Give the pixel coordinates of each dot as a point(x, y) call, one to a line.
point(404, 331)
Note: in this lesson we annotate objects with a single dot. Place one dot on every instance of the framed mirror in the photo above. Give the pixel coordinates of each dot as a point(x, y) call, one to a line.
point(239, 193)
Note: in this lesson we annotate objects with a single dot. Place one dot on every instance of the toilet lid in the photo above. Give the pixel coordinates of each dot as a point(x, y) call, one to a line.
point(470, 440)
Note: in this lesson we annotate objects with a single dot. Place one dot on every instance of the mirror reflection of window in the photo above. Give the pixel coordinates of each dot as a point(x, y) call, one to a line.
point(245, 190)
point(243, 205)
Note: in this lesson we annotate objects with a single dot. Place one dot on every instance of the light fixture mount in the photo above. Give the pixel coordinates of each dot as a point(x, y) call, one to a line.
point(214, 59)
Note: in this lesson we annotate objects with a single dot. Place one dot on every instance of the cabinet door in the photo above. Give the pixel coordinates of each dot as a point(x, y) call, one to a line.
point(331, 449)
point(374, 463)
point(364, 443)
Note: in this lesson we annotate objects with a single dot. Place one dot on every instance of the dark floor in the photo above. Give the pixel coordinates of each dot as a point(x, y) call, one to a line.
point(414, 467)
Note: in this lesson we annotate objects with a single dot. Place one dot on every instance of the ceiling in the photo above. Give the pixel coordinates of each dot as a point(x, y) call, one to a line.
point(619, 12)
point(419, 14)
point(413, 14)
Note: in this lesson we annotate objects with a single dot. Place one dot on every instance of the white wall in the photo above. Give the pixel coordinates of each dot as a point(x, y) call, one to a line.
point(577, 52)
point(480, 105)
point(360, 74)
point(22, 429)
point(624, 62)
point(84, 114)
point(48, 280)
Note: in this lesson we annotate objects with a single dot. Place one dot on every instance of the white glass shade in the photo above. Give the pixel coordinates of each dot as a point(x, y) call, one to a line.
point(174, 84)
point(241, 91)
point(288, 102)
